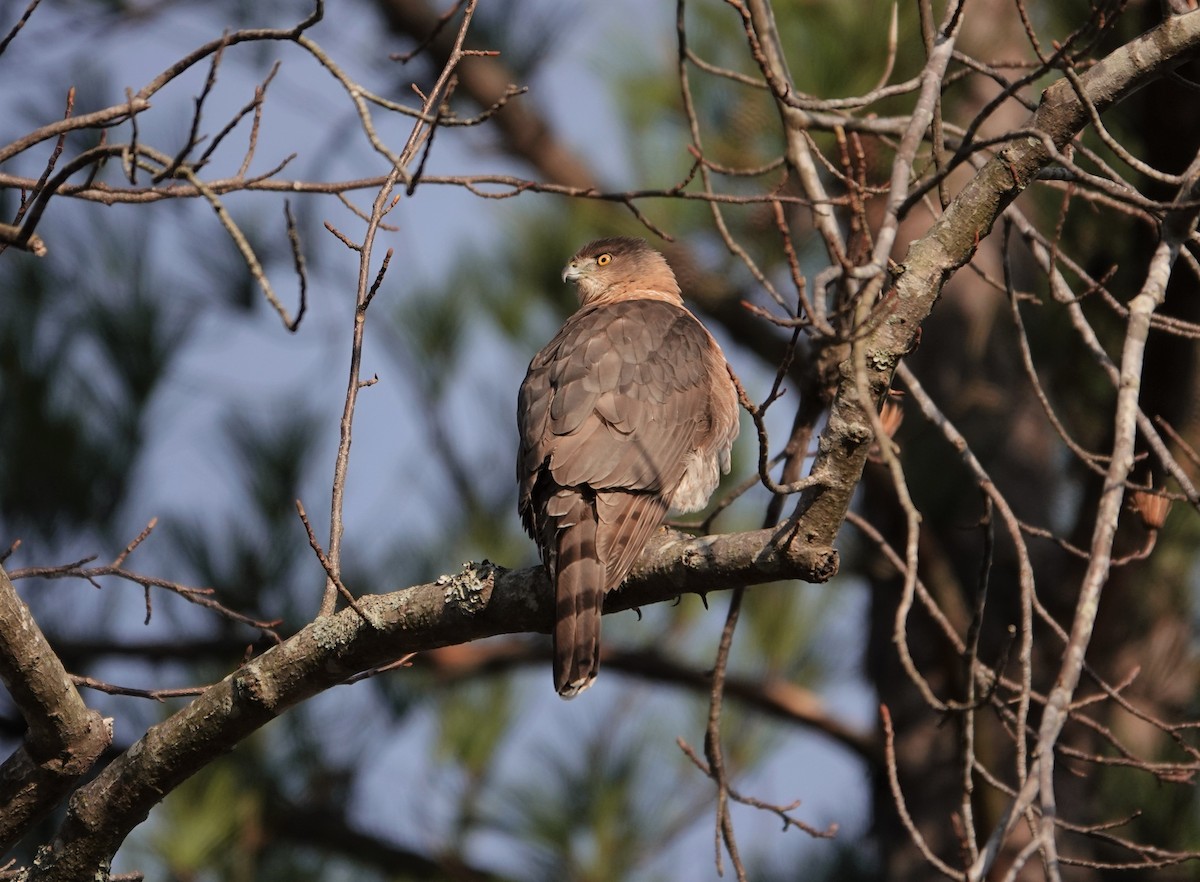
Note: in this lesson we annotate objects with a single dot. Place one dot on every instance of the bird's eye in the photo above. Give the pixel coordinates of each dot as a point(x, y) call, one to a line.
point(604, 260)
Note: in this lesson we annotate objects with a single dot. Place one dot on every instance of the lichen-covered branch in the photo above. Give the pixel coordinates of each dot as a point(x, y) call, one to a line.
point(481, 601)
point(65, 737)
point(952, 241)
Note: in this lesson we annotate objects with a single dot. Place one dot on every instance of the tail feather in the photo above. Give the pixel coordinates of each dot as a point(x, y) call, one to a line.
point(578, 596)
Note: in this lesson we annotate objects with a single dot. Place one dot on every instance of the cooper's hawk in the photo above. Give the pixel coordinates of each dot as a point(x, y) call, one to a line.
point(627, 413)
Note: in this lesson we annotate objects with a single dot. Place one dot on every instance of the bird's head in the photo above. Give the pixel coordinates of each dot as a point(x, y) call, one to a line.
point(620, 268)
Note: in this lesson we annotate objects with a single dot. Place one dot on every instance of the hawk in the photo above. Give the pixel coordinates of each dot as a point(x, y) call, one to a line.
point(629, 412)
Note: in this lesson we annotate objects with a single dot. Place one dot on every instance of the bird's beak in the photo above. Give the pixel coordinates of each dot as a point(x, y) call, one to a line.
point(571, 272)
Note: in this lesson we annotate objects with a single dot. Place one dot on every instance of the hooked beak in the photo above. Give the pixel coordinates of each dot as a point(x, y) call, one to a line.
point(572, 272)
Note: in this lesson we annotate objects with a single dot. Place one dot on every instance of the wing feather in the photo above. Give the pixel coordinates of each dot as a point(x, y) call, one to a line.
point(626, 523)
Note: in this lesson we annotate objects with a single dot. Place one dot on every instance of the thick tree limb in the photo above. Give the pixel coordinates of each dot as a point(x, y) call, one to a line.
point(951, 243)
point(481, 601)
point(64, 738)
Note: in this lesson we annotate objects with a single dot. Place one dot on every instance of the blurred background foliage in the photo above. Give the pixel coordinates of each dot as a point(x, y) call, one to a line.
point(141, 375)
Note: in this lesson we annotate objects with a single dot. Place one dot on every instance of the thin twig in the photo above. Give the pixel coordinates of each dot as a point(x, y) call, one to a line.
point(325, 565)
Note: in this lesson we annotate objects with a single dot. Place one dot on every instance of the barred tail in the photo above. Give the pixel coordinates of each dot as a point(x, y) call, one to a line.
point(578, 597)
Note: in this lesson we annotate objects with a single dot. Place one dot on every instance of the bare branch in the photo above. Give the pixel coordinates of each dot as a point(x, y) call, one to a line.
point(65, 737)
point(483, 600)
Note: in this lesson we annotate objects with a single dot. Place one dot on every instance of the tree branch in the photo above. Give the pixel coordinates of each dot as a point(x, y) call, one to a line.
point(952, 241)
point(317, 827)
point(64, 738)
point(481, 601)
point(487, 81)
point(774, 696)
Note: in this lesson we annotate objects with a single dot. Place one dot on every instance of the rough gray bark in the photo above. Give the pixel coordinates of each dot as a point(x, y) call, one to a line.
point(481, 601)
point(65, 737)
